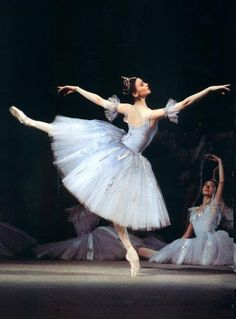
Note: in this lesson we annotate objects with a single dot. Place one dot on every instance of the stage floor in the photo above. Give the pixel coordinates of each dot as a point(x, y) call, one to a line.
point(78, 290)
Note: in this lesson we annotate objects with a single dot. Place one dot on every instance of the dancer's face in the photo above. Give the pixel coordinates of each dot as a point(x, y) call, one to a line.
point(208, 189)
point(141, 89)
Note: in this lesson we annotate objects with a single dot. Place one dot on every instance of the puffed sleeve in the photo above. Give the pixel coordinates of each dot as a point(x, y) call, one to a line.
point(191, 214)
point(171, 112)
point(110, 107)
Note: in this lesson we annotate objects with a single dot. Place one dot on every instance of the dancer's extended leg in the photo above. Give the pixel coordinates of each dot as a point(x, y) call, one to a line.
point(22, 118)
point(131, 254)
point(146, 252)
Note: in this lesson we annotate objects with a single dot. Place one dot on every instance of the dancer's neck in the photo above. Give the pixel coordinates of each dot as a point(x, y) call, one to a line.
point(206, 200)
point(140, 103)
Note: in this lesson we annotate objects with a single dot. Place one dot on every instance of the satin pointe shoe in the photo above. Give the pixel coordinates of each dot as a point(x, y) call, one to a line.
point(19, 115)
point(133, 259)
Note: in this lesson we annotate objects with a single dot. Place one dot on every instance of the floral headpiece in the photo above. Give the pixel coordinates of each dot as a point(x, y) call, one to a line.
point(126, 84)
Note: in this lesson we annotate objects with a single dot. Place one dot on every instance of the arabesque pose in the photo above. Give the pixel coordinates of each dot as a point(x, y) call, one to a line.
point(103, 166)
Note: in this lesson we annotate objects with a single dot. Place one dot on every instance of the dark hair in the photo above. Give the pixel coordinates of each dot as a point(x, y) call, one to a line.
point(128, 85)
point(213, 181)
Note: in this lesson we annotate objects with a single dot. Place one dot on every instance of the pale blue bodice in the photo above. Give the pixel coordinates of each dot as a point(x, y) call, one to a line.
point(138, 138)
point(206, 220)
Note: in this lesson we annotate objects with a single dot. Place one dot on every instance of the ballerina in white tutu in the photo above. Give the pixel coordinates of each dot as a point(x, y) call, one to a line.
point(210, 246)
point(14, 242)
point(102, 165)
point(93, 242)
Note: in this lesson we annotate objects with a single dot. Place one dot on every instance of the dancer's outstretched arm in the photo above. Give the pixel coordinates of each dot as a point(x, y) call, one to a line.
point(68, 89)
point(220, 188)
point(161, 113)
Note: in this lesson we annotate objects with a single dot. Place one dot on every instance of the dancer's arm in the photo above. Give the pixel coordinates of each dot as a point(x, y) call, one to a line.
point(68, 89)
point(220, 188)
point(161, 113)
point(189, 231)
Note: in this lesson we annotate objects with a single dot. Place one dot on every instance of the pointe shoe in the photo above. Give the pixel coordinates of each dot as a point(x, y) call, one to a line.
point(133, 259)
point(19, 115)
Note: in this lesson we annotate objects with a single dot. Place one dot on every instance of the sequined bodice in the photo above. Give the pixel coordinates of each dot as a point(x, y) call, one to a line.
point(205, 220)
point(138, 138)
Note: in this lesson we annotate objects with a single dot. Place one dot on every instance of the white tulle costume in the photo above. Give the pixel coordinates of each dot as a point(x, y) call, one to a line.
point(14, 242)
point(102, 166)
point(209, 247)
point(92, 242)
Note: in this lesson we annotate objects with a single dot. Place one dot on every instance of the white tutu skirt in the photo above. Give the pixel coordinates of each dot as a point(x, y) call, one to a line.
point(14, 242)
point(101, 244)
point(211, 248)
point(108, 178)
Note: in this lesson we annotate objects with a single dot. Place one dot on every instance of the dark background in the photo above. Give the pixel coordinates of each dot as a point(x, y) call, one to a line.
point(179, 47)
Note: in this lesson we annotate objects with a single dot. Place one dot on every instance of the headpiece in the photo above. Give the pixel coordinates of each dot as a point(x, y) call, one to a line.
point(126, 84)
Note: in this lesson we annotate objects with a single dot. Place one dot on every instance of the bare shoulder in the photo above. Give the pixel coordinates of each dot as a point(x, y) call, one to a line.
point(124, 108)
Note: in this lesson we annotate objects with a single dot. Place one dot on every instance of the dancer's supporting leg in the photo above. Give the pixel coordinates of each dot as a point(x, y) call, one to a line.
point(22, 118)
point(131, 254)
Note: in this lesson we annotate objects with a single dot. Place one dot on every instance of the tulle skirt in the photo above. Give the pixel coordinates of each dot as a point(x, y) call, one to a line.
point(101, 244)
point(14, 242)
point(212, 248)
point(108, 178)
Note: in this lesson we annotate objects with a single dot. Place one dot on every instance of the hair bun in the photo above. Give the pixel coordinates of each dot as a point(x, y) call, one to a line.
point(126, 84)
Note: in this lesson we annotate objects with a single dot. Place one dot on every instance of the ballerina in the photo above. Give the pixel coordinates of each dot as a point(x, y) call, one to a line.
point(93, 241)
point(210, 246)
point(14, 242)
point(102, 165)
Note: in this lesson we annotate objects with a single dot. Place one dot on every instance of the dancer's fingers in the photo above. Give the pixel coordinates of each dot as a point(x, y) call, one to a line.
point(62, 88)
point(68, 92)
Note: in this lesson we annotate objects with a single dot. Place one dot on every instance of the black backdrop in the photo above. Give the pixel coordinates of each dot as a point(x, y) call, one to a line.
point(179, 47)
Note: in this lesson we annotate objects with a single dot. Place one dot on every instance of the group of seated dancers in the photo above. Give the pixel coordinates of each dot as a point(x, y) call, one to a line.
point(203, 242)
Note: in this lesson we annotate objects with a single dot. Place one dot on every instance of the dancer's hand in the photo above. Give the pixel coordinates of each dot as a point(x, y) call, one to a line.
point(212, 157)
point(223, 89)
point(67, 89)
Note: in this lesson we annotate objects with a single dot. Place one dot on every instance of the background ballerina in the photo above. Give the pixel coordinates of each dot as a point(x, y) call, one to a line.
point(210, 246)
point(102, 165)
point(93, 241)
